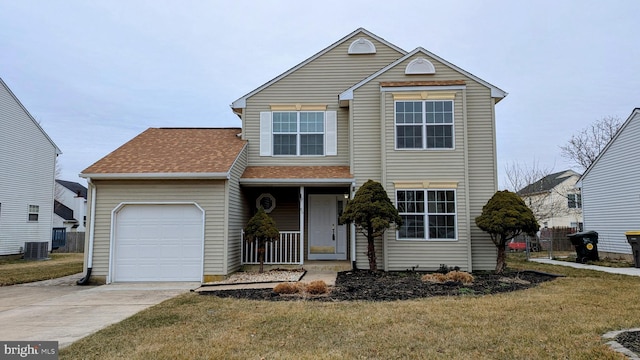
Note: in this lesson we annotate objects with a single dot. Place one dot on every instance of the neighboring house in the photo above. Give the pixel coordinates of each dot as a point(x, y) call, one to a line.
point(611, 189)
point(554, 200)
point(27, 163)
point(171, 203)
point(70, 206)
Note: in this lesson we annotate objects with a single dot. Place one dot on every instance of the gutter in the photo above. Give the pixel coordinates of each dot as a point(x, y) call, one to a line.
point(92, 228)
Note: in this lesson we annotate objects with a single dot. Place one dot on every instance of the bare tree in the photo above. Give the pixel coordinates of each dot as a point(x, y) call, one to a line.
point(584, 147)
point(532, 184)
point(58, 190)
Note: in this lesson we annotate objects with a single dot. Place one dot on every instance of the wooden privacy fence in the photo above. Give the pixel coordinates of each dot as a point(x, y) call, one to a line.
point(74, 243)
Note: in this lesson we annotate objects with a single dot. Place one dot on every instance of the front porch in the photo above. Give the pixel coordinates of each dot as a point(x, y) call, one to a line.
point(308, 220)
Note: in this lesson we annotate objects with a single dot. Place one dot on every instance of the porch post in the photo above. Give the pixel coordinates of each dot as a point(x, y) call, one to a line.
point(352, 229)
point(301, 202)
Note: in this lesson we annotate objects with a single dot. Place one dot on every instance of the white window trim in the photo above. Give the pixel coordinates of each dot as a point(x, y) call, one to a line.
point(424, 127)
point(426, 215)
point(330, 133)
point(29, 212)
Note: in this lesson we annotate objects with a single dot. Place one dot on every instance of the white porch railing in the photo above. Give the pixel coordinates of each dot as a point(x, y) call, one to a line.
point(285, 250)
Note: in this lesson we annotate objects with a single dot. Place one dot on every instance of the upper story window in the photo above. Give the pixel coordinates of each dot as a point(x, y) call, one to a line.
point(298, 133)
point(427, 214)
point(34, 211)
point(424, 124)
point(574, 201)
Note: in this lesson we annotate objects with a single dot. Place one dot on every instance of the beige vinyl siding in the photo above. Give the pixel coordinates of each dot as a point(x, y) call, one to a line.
point(210, 195)
point(475, 182)
point(237, 214)
point(318, 82)
point(27, 167)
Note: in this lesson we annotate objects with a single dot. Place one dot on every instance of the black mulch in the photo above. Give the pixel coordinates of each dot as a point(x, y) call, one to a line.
point(630, 340)
point(389, 286)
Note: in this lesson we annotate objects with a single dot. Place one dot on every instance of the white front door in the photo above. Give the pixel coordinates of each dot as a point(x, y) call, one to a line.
point(327, 237)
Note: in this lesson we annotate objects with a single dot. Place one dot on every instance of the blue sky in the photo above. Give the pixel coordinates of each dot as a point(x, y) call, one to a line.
point(97, 73)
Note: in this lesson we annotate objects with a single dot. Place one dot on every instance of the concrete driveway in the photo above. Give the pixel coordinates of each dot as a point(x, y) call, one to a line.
point(58, 310)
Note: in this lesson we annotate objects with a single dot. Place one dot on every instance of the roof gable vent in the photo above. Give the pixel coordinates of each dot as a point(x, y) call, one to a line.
point(420, 66)
point(362, 46)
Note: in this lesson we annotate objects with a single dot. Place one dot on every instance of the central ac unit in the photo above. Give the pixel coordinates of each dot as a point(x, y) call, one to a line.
point(36, 250)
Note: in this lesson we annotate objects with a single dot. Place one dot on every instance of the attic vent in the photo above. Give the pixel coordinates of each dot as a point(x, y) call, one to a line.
point(36, 250)
point(362, 46)
point(420, 66)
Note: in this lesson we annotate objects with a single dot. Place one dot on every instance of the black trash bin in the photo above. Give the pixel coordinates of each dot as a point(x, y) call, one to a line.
point(633, 237)
point(586, 244)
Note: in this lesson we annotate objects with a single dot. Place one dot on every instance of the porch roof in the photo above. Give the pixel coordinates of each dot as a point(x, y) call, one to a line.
point(262, 175)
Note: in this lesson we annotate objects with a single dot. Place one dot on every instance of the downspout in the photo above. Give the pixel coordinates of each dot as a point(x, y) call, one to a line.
point(92, 217)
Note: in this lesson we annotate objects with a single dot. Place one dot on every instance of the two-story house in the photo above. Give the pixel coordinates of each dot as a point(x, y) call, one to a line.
point(171, 203)
point(27, 174)
point(555, 200)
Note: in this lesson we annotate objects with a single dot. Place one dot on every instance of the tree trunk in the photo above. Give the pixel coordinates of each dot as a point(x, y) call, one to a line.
point(261, 251)
point(501, 262)
point(371, 253)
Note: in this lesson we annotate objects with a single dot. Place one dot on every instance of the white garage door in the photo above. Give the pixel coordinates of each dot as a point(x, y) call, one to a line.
point(158, 243)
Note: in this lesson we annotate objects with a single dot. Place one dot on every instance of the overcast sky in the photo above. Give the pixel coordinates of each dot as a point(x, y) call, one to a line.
point(97, 73)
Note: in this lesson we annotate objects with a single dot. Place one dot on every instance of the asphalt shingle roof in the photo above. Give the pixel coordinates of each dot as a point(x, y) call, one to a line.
point(547, 183)
point(78, 189)
point(173, 150)
point(297, 172)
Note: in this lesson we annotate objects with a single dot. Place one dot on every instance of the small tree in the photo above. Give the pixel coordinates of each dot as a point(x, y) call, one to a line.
point(263, 229)
point(504, 217)
point(372, 212)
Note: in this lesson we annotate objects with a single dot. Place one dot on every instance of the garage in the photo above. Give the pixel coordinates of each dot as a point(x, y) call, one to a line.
point(157, 242)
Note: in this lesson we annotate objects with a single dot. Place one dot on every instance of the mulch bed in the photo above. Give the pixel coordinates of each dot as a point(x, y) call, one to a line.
point(390, 286)
point(630, 340)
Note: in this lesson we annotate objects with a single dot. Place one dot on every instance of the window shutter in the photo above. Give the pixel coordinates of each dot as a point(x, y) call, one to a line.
point(331, 133)
point(265, 133)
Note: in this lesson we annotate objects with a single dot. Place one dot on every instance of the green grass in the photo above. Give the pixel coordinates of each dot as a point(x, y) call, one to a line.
point(15, 270)
point(561, 319)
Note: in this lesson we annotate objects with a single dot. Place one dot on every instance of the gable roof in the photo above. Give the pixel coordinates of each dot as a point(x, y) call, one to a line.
point(635, 113)
point(241, 102)
point(76, 188)
point(547, 183)
point(496, 92)
point(193, 153)
point(58, 151)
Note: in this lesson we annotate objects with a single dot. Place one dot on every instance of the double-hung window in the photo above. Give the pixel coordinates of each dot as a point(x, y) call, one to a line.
point(298, 133)
point(424, 124)
point(427, 214)
point(574, 201)
point(34, 211)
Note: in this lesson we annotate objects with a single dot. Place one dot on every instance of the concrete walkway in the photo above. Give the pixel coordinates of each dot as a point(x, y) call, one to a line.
point(623, 271)
point(59, 310)
point(328, 276)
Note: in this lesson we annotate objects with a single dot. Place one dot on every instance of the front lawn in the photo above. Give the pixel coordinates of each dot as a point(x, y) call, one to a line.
point(15, 270)
point(564, 318)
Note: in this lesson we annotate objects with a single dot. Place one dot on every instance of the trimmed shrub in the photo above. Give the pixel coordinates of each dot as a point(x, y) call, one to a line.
point(317, 287)
point(457, 276)
point(286, 288)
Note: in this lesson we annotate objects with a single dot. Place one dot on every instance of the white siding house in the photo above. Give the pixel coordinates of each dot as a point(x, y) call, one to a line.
point(611, 189)
point(71, 206)
point(27, 163)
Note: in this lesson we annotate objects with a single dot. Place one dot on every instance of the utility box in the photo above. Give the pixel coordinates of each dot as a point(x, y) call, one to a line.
point(633, 237)
point(36, 250)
